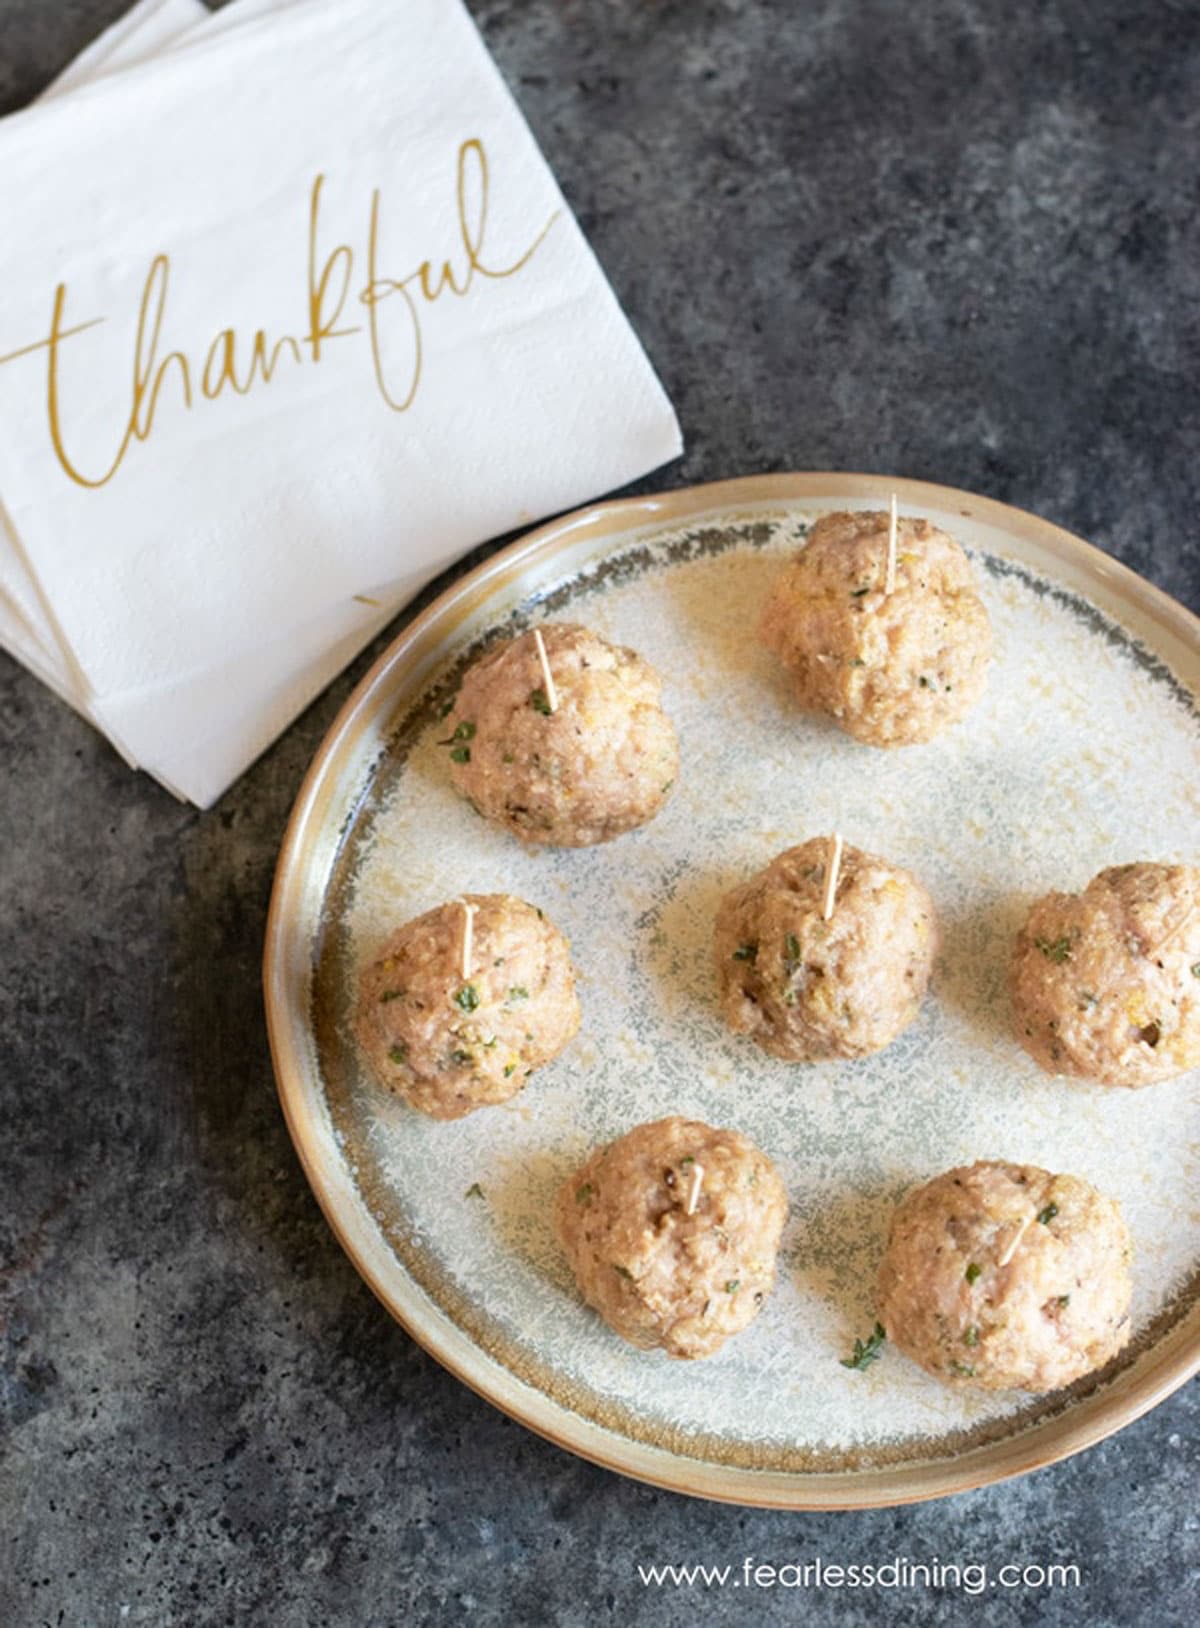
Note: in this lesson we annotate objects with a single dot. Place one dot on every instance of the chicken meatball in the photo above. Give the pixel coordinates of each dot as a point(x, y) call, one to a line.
point(890, 669)
point(449, 1043)
point(807, 989)
point(1006, 1277)
point(672, 1232)
point(597, 764)
point(1106, 983)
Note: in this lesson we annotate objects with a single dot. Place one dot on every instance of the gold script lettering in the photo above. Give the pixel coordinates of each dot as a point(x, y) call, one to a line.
point(146, 377)
point(329, 288)
point(220, 365)
point(472, 226)
point(321, 327)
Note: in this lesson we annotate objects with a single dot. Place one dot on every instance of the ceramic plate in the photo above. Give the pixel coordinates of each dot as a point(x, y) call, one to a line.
point(1084, 752)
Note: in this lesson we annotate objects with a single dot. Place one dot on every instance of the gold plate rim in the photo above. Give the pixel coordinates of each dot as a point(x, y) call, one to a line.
point(1174, 1360)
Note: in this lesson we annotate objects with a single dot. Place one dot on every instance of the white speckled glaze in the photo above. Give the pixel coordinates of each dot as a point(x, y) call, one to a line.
point(1082, 753)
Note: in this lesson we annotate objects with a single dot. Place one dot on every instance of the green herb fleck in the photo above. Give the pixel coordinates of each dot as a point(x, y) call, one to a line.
point(733, 1285)
point(746, 952)
point(390, 995)
point(398, 1054)
point(540, 702)
point(446, 708)
point(461, 1057)
point(467, 998)
point(866, 1351)
point(972, 1272)
point(1057, 950)
point(855, 661)
point(510, 1070)
point(924, 682)
point(1087, 1000)
point(1196, 969)
point(857, 593)
point(460, 754)
point(963, 1369)
point(791, 954)
point(464, 732)
point(1047, 1215)
point(518, 992)
point(507, 757)
point(582, 1194)
point(971, 1337)
point(688, 1158)
point(1064, 1300)
point(474, 1191)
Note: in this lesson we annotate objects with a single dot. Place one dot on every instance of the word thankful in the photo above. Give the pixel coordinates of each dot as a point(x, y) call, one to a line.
point(392, 305)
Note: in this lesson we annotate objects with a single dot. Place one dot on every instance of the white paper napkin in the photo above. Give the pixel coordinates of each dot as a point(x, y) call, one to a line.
point(279, 680)
point(146, 29)
point(26, 627)
point(234, 536)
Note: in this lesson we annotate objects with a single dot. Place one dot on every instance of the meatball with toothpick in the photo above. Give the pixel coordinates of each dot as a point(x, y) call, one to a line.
point(1007, 1277)
point(461, 1004)
point(807, 985)
point(892, 668)
point(672, 1232)
point(566, 744)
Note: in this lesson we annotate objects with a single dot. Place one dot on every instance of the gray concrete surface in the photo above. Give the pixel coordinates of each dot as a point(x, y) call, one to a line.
point(954, 240)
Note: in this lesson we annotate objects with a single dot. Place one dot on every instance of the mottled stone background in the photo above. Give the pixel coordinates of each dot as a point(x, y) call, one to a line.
point(954, 240)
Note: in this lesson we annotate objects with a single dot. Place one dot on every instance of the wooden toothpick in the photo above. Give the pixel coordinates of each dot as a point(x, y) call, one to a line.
point(832, 867)
point(1015, 1243)
point(468, 937)
point(547, 675)
point(693, 1197)
point(889, 585)
point(1174, 932)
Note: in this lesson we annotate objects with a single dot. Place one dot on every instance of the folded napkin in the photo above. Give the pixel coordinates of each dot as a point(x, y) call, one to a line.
point(295, 313)
point(146, 29)
point(26, 629)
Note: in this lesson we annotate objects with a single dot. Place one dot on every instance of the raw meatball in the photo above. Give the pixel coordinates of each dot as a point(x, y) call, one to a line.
point(1004, 1276)
point(659, 1276)
point(891, 669)
point(600, 764)
point(807, 989)
point(1106, 983)
point(448, 1044)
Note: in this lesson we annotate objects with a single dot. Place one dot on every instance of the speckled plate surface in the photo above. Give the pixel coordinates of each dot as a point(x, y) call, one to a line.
point(1084, 752)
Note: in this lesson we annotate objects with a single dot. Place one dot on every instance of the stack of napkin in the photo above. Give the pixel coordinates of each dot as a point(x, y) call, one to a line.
point(294, 313)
